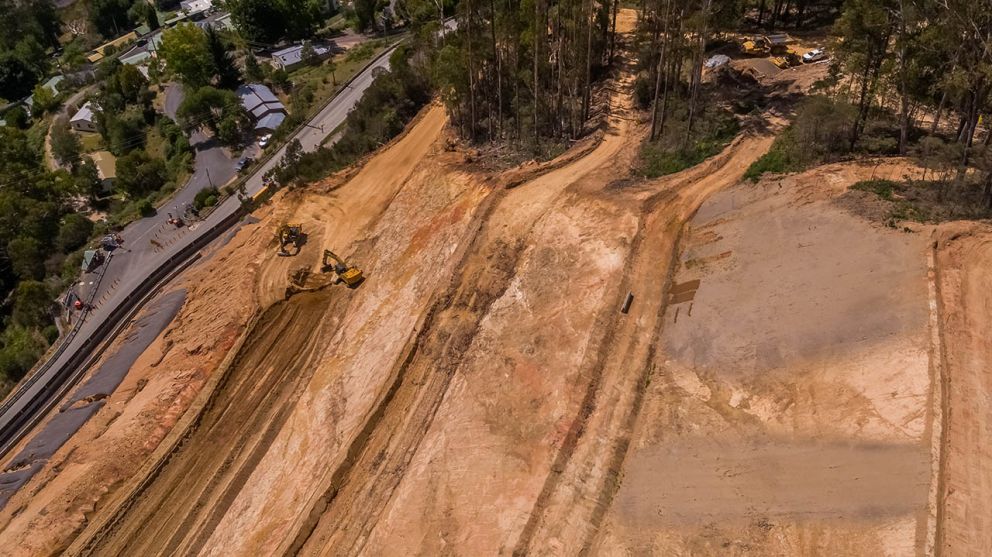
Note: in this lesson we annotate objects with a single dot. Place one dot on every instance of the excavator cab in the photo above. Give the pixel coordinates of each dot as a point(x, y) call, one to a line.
point(349, 274)
point(291, 234)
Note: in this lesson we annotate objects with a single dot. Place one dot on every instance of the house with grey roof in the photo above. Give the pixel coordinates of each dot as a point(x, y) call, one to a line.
point(291, 58)
point(263, 105)
point(84, 120)
point(53, 84)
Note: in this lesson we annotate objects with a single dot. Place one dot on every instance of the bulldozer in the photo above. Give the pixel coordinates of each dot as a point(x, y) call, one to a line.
point(349, 274)
point(789, 59)
point(291, 234)
point(755, 46)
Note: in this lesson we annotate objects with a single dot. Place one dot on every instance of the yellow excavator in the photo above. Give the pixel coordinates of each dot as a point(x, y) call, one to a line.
point(291, 234)
point(349, 274)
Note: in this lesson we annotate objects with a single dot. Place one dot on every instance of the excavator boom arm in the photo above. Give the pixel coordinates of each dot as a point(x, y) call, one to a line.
point(330, 254)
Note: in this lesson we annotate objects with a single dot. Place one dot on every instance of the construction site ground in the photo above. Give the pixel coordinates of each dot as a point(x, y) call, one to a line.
point(790, 378)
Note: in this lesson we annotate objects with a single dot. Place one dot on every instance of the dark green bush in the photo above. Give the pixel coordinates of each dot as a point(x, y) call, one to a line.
point(203, 198)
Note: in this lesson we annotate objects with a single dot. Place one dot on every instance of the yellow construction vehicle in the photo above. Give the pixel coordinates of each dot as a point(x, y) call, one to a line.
point(291, 234)
point(790, 58)
point(348, 274)
point(755, 46)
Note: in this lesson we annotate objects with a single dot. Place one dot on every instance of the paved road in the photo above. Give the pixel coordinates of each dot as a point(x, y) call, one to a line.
point(212, 167)
point(150, 243)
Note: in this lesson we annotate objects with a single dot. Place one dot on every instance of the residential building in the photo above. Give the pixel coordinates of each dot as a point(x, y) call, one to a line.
point(263, 105)
point(53, 83)
point(291, 58)
point(84, 120)
point(196, 6)
point(106, 169)
point(100, 51)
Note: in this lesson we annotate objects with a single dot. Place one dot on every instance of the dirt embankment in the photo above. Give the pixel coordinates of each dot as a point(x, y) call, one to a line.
point(788, 409)
point(481, 393)
point(45, 515)
point(963, 257)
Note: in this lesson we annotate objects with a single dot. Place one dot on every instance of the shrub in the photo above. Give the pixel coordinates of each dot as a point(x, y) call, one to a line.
point(74, 231)
point(146, 209)
point(713, 129)
point(881, 188)
point(774, 161)
point(32, 301)
point(21, 349)
point(819, 133)
point(51, 334)
point(207, 197)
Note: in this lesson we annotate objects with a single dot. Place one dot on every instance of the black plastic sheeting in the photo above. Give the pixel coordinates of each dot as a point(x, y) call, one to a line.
point(89, 397)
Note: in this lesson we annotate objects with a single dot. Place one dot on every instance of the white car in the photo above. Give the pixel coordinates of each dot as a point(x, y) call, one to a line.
point(815, 55)
point(264, 140)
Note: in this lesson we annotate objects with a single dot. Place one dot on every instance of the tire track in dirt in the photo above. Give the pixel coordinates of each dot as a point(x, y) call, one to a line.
point(361, 488)
point(585, 476)
point(194, 487)
point(488, 261)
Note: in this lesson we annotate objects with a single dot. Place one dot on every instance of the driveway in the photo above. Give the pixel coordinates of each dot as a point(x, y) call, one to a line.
point(212, 166)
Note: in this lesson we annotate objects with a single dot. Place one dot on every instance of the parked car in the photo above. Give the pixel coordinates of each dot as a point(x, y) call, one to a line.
point(815, 55)
point(264, 140)
point(244, 163)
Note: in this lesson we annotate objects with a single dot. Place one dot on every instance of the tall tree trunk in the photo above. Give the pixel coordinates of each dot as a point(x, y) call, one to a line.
point(761, 12)
point(873, 65)
point(977, 95)
point(940, 110)
point(776, 8)
point(903, 82)
point(539, 32)
point(697, 72)
point(586, 97)
point(497, 61)
point(662, 61)
point(613, 38)
point(471, 71)
point(801, 13)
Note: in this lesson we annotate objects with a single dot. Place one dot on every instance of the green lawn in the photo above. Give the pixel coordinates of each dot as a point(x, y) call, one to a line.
point(155, 143)
point(91, 142)
point(324, 83)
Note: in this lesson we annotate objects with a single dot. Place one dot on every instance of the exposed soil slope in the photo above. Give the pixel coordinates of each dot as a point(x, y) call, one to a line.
point(769, 391)
point(788, 407)
point(963, 259)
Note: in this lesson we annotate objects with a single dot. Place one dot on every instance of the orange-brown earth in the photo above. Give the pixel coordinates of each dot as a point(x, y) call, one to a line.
point(775, 388)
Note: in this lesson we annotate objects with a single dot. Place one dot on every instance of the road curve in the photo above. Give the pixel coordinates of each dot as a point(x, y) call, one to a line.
point(151, 246)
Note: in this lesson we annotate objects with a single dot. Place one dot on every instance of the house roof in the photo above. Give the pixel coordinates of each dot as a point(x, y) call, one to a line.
point(779, 39)
point(98, 52)
point(88, 257)
point(193, 6)
point(106, 164)
point(294, 54)
point(83, 114)
point(270, 122)
point(224, 22)
point(52, 84)
point(136, 59)
point(267, 108)
point(259, 99)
